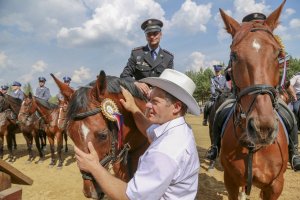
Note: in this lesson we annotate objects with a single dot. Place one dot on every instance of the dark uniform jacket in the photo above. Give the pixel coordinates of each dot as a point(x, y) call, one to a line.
point(141, 64)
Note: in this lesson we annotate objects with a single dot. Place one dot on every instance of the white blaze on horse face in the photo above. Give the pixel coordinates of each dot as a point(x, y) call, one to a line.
point(85, 130)
point(256, 45)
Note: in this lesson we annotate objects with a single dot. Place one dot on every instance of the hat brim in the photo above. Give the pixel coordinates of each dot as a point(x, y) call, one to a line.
point(151, 30)
point(176, 91)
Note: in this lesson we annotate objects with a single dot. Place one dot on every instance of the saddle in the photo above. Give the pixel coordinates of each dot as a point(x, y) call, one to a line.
point(225, 111)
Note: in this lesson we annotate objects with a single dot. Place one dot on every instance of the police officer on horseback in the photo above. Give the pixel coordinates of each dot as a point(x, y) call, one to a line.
point(4, 89)
point(150, 60)
point(217, 86)
point(284, 112)
point(16, 90)
point(42, 91)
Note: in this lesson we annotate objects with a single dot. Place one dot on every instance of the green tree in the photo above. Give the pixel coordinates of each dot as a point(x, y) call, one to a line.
point(27, 88)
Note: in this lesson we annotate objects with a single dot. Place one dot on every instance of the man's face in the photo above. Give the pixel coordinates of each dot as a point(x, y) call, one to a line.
point(153, 38)
point(4, 91)
point(42, 83)
point(67, 82)
point(217, 73)
point(159, 108)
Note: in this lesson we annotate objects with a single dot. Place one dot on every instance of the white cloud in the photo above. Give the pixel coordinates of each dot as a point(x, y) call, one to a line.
point(81, 74)
point(192, 17)
point(242, 8)
point(198, 61)
point(289, 12)
point(112, 22)
point(295, 23)
point(3, 60)
point(39, 66)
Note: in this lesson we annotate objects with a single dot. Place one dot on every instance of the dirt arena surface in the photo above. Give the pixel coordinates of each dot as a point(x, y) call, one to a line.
point(66, 184)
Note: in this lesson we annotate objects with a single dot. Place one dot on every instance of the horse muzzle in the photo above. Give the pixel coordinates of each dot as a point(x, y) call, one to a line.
point(262, 131)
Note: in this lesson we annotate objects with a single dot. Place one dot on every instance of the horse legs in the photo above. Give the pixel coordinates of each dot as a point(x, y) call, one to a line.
point(274, 190)
point(65, 135)
point(1, 146)
point(9, 147)
point(231, 187)
point(59, 139)
point(38, 146)
point(51, 142)
point(28, 138)
point(42, 135)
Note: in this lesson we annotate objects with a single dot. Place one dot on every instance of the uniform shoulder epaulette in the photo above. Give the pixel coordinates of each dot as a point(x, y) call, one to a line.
point(168, 52)
point(137, 48)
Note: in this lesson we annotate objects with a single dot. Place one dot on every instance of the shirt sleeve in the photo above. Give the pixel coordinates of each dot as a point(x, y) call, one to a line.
point(294, 79)
point(153, 176)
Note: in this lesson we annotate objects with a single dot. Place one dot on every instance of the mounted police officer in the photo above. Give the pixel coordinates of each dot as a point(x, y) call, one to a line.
point(42, 91)
point(217, 86)
point(284, 112)
point(150, 60)
point(4, 89)
point(16, 90)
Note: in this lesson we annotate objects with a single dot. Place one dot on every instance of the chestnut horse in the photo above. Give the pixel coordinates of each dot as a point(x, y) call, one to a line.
point(9, 109)
point(89, 118)
point(36, 108)
point(254, 146)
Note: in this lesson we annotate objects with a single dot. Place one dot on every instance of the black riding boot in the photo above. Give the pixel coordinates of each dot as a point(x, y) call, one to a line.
point(214, 150)
point(205, 115)
point(294, 156)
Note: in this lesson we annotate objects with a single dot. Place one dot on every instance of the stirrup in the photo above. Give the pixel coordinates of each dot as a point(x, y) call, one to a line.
point(292, 162)
point(210, 149)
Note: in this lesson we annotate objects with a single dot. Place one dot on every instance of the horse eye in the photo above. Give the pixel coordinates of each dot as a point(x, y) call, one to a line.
point(102, 135)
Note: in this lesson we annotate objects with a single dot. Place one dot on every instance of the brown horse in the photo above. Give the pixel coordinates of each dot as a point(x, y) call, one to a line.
point(254, 146)
point(9, 109)
point(40, 109)
point(89, 118)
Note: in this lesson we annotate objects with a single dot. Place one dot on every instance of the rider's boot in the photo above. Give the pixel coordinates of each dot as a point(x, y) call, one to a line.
point(214, 149)
point(294, 156)
point(205, 115)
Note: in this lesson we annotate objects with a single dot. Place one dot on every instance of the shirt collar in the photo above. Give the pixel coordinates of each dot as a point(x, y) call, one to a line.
point(156, 50)
point(160, 130)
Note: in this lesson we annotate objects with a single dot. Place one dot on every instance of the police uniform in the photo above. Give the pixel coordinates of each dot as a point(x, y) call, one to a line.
point(218, 83)
point(145, 62)
point(141, 64)
point(42, 92)
point(17, 93)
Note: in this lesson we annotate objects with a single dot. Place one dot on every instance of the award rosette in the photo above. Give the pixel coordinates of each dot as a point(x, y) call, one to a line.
point(109, 108)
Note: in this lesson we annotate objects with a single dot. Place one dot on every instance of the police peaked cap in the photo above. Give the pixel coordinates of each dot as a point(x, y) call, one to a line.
point(218, 67)
point(152, 25)
point(42, 79)
point(16, 83)
point(254, 16)
point(4, 87)
point(67, 79)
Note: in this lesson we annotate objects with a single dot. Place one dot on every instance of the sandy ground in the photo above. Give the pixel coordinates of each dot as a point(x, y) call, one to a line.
point(66, 184)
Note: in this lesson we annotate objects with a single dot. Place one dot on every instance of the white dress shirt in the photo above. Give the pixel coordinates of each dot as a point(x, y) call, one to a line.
point(169, 167)
point(295, 82)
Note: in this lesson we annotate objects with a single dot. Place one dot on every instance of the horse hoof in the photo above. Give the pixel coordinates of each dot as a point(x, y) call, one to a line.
point(59, 167)
point(51, 166)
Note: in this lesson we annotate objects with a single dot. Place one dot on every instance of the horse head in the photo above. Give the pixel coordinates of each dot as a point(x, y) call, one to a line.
point(28, 107)
point(255, 75)
point(91, 118)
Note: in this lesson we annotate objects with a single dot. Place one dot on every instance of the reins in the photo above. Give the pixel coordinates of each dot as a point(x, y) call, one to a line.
point(239, 114)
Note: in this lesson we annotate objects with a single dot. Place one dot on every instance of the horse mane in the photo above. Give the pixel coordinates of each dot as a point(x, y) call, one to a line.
point(46, 104)
point(80, 98)
point(15, 103)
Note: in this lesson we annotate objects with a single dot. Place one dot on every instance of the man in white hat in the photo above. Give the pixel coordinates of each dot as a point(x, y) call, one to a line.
point(169, 168)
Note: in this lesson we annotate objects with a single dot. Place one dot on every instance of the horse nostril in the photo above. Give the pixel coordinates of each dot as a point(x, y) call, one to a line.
point(251, 127)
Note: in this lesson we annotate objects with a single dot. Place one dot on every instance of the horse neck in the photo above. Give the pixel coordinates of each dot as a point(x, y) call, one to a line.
point(46, 114)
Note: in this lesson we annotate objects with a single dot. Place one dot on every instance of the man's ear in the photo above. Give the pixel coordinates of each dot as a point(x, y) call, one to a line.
point(177, 107)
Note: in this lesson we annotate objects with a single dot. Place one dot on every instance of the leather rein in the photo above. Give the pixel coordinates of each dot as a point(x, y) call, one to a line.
point(256, 90)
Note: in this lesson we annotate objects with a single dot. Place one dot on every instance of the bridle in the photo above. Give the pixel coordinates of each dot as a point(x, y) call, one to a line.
point(115, 153)
point(253, 90)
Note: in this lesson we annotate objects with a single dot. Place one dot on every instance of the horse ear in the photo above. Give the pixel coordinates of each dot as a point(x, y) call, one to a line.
point(100, 86)
point(272, 19)
point(30, 95)
point(65, 90)
point(231, 25)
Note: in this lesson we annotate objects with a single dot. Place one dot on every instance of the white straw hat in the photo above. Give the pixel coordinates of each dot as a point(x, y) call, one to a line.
point(177, 84)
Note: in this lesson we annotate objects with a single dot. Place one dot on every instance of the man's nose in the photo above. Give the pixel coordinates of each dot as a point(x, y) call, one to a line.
point(148, 105)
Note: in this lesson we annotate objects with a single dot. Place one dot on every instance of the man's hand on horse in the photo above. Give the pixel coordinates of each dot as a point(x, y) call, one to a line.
point(87, 162)
point(143, 87)
point(128, 102)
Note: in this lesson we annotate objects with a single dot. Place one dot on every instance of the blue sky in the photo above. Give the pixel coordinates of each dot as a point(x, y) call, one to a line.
point(79, 38)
